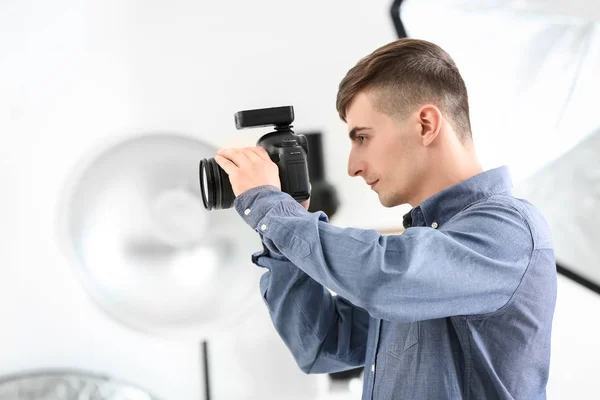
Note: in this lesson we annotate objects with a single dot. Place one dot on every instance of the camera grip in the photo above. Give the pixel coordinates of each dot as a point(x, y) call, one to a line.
point(293, 174)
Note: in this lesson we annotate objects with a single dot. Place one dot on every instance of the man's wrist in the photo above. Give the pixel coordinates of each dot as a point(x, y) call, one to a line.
point(255, 203)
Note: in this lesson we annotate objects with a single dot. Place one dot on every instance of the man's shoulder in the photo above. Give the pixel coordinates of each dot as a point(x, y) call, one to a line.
point(529, 214)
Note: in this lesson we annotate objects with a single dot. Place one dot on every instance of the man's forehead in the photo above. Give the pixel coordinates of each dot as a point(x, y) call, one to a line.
point(361, 102)
point(360, 114)
point(363, 106)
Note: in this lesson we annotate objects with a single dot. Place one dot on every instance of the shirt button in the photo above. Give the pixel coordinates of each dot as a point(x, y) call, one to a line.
point(247, 211)
point(263, 227)
point(373, 368)
point(434, 225)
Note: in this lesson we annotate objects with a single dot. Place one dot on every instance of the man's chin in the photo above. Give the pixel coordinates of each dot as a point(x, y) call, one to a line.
point(389, 202)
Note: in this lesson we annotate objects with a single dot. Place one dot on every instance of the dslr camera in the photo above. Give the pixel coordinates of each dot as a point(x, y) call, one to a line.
point(287, 149)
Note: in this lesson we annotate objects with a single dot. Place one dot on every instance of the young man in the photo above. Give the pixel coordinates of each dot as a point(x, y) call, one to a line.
point(460, 305)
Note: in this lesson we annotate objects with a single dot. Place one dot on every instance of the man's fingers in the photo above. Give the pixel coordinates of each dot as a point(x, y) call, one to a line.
point(261, 152)
point(253, 155)
point(236, 156)
point(226, 164)
point(244, 157)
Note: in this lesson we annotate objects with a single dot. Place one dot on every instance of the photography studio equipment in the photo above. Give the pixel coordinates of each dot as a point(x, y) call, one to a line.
point(323, 195)
point(132, 225)
point(68, 385)
point(286, 148)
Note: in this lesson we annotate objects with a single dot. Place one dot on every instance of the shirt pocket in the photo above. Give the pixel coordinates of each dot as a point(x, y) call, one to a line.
point(403, 337)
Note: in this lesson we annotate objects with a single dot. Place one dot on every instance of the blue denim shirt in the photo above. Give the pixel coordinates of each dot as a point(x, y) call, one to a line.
point(459, 306)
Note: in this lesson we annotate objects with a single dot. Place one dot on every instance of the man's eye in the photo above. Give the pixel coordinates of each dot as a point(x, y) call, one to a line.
point(361, 139)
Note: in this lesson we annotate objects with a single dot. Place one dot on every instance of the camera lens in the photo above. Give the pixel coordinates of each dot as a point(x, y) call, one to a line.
point(215, 187)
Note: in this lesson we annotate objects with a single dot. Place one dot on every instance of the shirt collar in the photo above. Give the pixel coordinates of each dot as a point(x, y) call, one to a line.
point(439, 208)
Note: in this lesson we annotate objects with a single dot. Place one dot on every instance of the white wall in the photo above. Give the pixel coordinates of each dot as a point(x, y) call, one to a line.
point(575, 351)
point(74, 74)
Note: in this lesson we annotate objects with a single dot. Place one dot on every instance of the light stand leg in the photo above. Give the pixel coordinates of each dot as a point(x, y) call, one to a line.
point(206, 370)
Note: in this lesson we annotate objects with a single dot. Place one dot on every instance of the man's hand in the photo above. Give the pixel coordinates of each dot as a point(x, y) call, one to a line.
point(306, 204)
point(248, 168)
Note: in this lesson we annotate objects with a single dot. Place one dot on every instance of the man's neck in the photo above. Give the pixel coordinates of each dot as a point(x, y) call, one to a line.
point(451, 169)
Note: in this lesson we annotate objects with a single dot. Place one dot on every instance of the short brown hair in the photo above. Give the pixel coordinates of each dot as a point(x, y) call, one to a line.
point(406, 74)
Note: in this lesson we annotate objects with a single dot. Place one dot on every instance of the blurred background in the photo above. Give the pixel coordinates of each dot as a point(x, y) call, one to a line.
point(116, 283)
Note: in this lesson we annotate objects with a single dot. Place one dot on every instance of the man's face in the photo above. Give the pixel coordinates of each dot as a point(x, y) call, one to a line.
point(385, 152)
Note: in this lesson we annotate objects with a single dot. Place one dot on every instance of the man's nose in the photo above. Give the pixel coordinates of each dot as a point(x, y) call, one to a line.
point(355, 167)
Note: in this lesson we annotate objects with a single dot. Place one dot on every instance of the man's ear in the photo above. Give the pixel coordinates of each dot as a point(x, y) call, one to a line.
point(430, 119)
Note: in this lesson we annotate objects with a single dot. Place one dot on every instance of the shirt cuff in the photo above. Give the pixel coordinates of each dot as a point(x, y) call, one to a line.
point(255, 203)
point(260, 208)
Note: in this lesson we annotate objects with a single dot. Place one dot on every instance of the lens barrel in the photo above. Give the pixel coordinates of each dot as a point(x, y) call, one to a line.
point(215, 186)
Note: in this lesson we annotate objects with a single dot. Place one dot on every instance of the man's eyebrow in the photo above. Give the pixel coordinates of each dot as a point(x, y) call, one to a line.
point(356, 130)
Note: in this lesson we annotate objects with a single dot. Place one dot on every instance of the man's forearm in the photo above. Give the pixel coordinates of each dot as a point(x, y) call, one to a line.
point(323, 332)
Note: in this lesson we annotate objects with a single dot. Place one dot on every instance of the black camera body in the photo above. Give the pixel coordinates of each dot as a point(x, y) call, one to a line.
point(285, 148)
